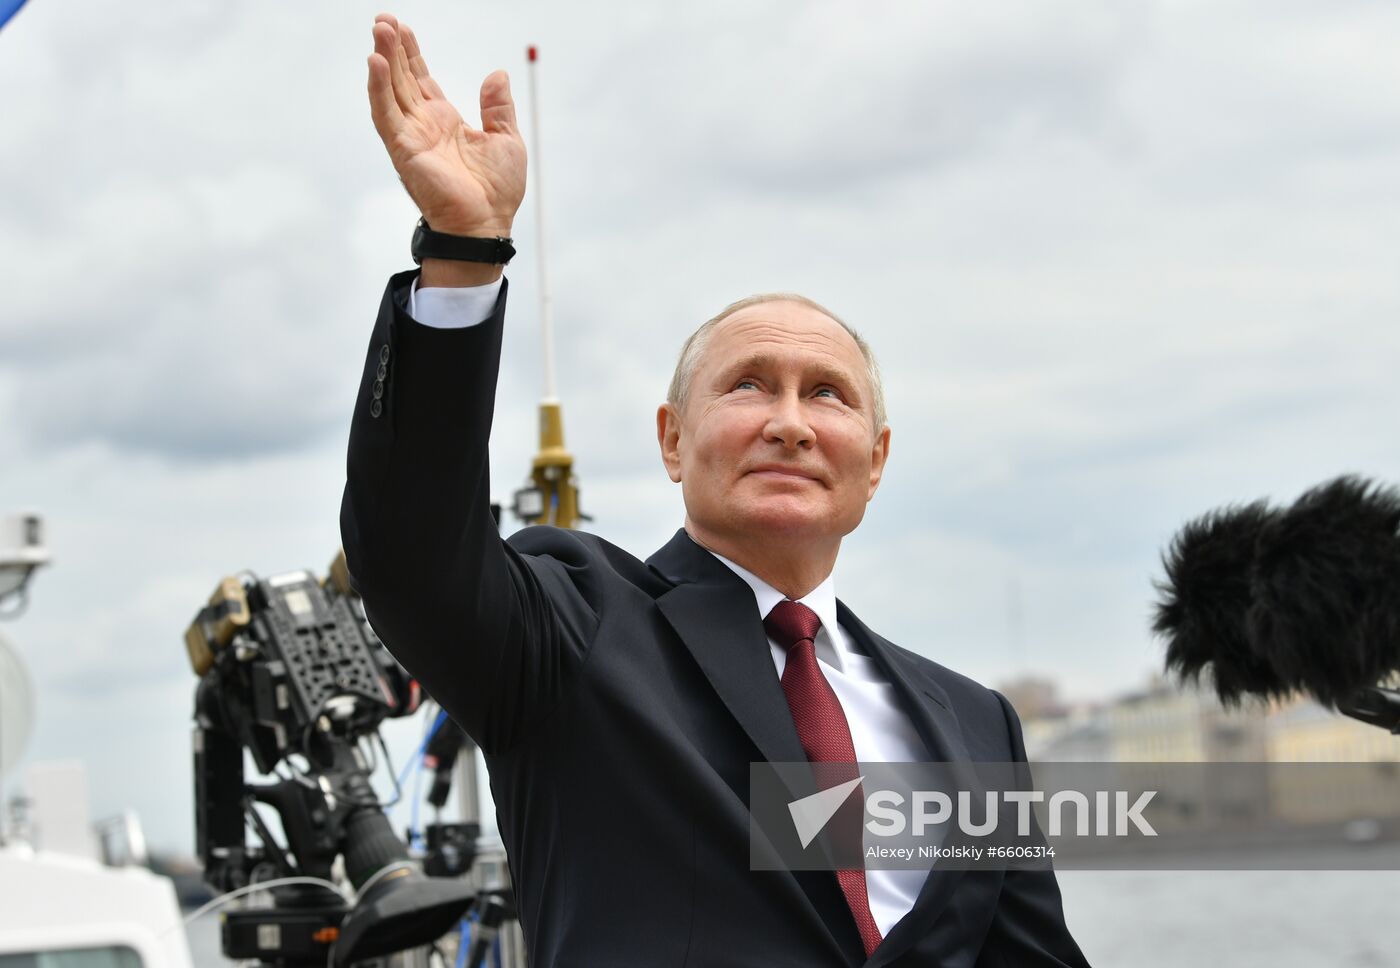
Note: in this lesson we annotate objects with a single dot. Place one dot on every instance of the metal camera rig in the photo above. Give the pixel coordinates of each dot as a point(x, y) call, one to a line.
point(291, 672)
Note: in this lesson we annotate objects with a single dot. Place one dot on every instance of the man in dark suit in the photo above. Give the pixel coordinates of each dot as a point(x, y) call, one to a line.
point(620, 703)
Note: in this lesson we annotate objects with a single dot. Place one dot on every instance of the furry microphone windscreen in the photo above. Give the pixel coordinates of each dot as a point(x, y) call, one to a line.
point(1325, 591)
point(1205, 601)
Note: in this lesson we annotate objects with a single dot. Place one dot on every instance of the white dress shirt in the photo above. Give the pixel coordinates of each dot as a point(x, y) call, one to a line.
point(880, 730)
point(443, 308)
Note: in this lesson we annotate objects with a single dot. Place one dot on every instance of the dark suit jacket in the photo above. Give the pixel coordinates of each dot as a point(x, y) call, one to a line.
point(619, 704)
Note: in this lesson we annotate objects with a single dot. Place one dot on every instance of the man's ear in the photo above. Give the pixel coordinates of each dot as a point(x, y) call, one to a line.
point(668, 436)
point(879, 453)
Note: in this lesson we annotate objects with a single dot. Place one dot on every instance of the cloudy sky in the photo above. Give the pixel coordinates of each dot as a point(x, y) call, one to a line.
point(1123, 262)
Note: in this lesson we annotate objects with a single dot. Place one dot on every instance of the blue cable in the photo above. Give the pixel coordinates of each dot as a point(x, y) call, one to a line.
point(464, 943)
point(8, 9)
point(415, 838)
point(415, 760)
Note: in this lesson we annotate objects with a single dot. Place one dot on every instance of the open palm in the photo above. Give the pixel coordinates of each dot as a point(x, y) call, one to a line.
point(465, 180)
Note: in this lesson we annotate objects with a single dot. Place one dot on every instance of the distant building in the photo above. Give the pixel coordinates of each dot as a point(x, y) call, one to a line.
point(1054, 730)
point(1033, 697)
point(1166, 723)
point(1079, 735)
point(1302, 731)
point(1351, 771)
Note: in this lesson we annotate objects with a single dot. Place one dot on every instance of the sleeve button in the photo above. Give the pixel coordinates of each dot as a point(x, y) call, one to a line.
point(384, 353)
point(378, 389)
point(376, 408)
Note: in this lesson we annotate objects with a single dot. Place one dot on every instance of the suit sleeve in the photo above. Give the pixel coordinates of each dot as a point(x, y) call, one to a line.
point(1028, 929)
point(496, 637)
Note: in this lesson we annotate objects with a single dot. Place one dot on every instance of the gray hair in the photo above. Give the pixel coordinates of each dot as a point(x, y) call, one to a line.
point(694, 350)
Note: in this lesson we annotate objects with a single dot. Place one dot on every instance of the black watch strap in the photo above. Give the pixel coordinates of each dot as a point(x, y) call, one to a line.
point(428, 244)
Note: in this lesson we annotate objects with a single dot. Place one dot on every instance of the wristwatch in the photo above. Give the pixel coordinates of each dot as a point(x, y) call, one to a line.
point(428, 244)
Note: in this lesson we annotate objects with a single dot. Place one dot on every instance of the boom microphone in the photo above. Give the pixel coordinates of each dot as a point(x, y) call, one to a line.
point(1306, 599)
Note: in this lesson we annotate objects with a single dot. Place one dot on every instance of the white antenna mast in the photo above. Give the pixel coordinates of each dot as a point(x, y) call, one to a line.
point(551, 497)
point(546, 323)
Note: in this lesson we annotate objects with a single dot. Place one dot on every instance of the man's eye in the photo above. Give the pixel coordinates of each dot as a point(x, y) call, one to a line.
point(830, 391)
point(745, 383)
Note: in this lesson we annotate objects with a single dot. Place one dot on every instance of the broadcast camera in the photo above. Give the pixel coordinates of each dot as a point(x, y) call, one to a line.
point(291, 672)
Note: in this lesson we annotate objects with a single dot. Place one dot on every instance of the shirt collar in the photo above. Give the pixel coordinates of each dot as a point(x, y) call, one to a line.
point(821, 599)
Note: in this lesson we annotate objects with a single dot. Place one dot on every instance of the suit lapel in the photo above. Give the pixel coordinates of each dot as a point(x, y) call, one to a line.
point(712, 611)
point(927, 704)
point(719, 624)
point(924, 699)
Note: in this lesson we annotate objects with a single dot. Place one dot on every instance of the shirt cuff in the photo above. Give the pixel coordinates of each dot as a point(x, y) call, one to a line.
point(452, 308)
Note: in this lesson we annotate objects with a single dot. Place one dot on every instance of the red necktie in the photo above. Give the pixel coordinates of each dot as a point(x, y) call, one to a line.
point(824, 733)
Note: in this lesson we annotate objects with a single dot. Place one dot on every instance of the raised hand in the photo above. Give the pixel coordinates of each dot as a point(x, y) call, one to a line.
point(465, 181)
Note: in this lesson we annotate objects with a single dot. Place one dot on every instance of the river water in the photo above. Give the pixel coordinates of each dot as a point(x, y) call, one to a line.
point(1244, 919)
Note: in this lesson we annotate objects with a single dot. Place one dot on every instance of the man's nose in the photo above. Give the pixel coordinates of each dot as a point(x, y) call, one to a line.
point(787, 422)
